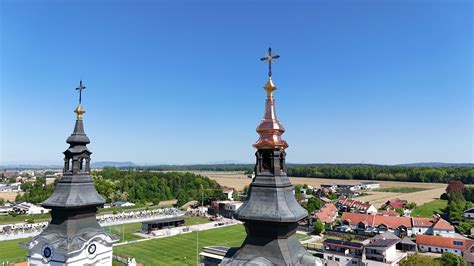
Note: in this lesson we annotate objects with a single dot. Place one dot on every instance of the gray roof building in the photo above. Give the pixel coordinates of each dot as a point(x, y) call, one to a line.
point(73, 236)
point(271, 212)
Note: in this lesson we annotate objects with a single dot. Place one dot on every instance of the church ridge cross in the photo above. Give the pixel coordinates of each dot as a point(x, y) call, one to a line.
point(270, 57)
point(80, 88)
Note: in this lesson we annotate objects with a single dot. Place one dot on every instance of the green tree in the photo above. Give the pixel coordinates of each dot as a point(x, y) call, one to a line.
point(450, 259)
point(313, 204)
point(417, 259)
point(456, 206)
point(411, 205)
point(400, 211)
point(235, 195)
point(182, 198)
point(318, 227)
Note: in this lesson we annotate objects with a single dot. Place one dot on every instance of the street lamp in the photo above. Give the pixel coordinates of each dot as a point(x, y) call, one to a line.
point(197, 244)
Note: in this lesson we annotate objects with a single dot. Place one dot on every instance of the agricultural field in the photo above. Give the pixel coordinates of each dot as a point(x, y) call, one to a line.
point(428, 209)
point(401, 189)
point(11, 196)
point(420, 193)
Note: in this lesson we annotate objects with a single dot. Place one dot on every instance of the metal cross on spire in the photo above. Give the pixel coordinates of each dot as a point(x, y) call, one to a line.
point(80, 88)
point(270, 57)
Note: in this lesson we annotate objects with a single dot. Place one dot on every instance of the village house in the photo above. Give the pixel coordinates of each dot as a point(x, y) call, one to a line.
point(228, 191)
point(330, 187)
point(341, 252)
point(439, 244)
point(379, 250)
point(382, 251)
point(395, 204)
point(346, 204)
point(389, 213)
point(400, 226)
point(327, 214)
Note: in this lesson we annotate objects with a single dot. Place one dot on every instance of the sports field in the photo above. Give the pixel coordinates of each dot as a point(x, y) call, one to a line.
point(12, 252)
point(181, 249)
point(175, 250)
point(127, 231)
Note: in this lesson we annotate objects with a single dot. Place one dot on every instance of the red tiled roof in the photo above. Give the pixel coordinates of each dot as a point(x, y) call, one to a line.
point(354, 204)
point(445, 242)
point(355, 218)
point(396, 203)
point(376, 220)
point(329, 207)
point(393, 222)
point(327, 213)
point(422, 222)
point(228, 189)
point(442, 224)
point(389, 213)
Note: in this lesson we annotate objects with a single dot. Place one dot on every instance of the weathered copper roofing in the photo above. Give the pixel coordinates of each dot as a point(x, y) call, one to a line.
point(270, 129)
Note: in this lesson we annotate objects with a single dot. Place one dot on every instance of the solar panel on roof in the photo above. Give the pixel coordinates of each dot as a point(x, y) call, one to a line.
point(343, 242)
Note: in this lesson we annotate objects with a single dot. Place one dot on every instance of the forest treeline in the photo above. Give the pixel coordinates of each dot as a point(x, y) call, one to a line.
point(385, 173)
point(347, 171)
point(146, 186)
point(138, 186)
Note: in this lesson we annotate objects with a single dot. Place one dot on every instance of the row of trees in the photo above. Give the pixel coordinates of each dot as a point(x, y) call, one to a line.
point(457, 204)
point(346, 171)
point(146, 186)
point(36, 192)
point(138, 187)
point(389, 173)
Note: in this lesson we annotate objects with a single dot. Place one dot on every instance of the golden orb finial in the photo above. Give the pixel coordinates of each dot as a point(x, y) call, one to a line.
point(270, 88)
point(79, 111)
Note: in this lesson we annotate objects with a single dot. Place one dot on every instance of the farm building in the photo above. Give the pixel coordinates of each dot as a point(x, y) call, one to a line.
point(439, 244)
point(149, 226)
point(469, 214)
point(369, 185)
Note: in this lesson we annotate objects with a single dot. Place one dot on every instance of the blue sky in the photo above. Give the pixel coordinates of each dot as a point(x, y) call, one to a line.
point(179, 82)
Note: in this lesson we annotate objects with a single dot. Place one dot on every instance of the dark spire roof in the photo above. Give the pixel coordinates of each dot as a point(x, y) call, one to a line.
point(78, 136)
point(76, 189)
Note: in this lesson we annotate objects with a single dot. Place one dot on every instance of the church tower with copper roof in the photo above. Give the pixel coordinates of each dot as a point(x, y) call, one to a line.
point(73, 237)
point(271, 212)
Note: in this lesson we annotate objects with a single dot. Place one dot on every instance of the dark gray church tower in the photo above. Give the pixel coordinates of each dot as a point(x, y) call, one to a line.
point(73, 237)
point(271, 212)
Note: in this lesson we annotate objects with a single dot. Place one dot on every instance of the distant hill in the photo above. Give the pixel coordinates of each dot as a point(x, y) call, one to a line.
point(112, 164)
point(31, 166)
point(437, 164)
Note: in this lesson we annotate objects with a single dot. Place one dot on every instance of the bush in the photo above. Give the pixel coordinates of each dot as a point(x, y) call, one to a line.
point(444, 196)
point(318, 227)
point(449, 259)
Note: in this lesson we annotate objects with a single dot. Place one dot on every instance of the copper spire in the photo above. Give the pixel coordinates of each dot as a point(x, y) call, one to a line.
point(270, 129)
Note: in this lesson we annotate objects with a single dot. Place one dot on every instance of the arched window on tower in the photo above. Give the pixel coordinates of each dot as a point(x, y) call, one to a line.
point(82, 166)
point(69, 164)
